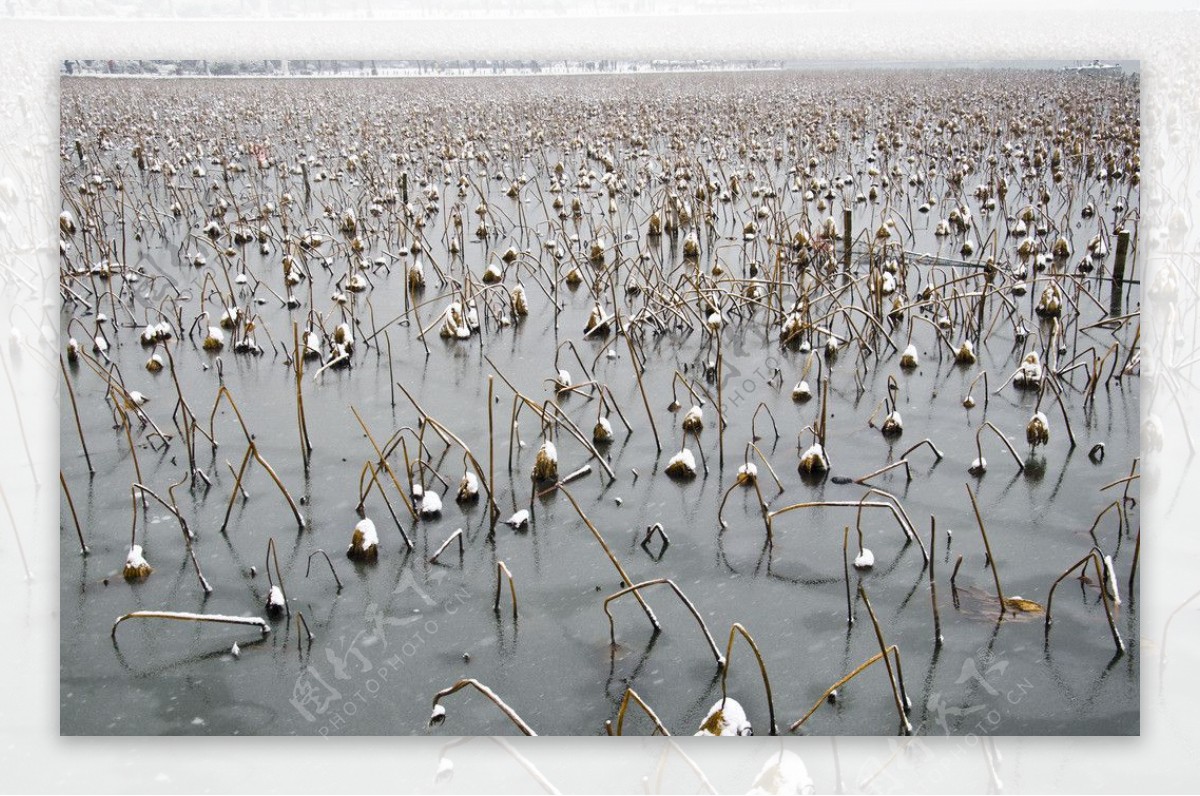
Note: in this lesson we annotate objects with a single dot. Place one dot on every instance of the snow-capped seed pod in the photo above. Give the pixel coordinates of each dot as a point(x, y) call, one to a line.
point(596, 255)
point(416, 275)
point(813, 461)
point(545, 465)
point(312, 345)
point(364, 542)
point(793, 325)
point(562, 380)
point(518, 520)
point(965, 355)
point(865, 559)
point(715, 320)
point(231, 317)
point(492, 274)
point(893, 423)
point(596, 321)
point(801, 392)
point(520, 303)
point(1029, 374)
point(431, 504)
point(831, 346)
point(978, 466)
point(136, 567)
point(693, 419)
point(1019, 289)
point(1050, 303)
point(276, 603)
point(727, 717)
point(468, 488)
point(969, 402)
point(603, 432)
point(1061, 249)
point(1110, 581)
point(417, 491)
point(573, 277)
point(682, 465)
point(749, 230)
point(654, 224)
point(747, 474)
point(344, 336)
point(691, 246)
point(452, 321)
point(66, 222)
point(72, 350)
point(909, 359)
point(1037, 432)
point(214, 340)
point(154, 364)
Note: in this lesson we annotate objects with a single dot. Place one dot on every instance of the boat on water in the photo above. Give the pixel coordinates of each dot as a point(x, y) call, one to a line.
point(1096, 67)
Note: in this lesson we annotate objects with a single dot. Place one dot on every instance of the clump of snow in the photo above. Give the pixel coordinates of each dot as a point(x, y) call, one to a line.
point(364, 542)
point(865, 559)
point(136, 566)
point(726, 717)
point(431, 504)
point(813, 461)
point(468, 487)
point(545, 466)
point(682, 465)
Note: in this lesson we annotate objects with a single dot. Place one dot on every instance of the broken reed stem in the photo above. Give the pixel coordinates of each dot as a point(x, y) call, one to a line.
point(302, 622)
point(272, 556)
point(720, 407)
point(902, 463)
point(611, 557)
point(384, 463)
point(321, 552)
point(937, 453)
point(988, 547)
point(954, 573)
point(459, 536)
point(301, 422)
point(75, 411)
point(637, 372)
point(846, 572)
point(502, 568)
point(386, 501)
point(237, 485)
point(1137, 550)
point(1004, 439)
point(491, 696)
point(858, 504)
point(937, 617)
point(1100, 580)
point(83, 548)
point(637, 587)
point(893, 677)
point(495, 515)
point(736, 629)
point(258, 622)
point(829, 691)
point(630, 694)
